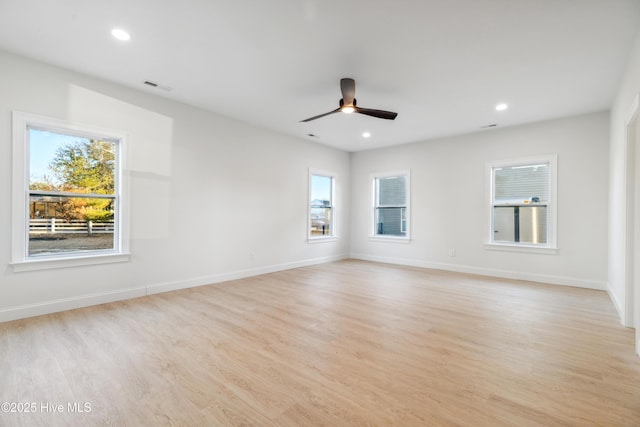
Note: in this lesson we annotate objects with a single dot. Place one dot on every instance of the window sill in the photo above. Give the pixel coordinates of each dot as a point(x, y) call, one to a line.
point(65, 262)
point(322, 239)
point(521, 248)
point(390, 239)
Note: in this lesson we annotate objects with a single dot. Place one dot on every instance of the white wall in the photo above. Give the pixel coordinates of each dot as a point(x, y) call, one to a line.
point(211, 198)
point(450, 202)
point(628, 90)
point(250, 184)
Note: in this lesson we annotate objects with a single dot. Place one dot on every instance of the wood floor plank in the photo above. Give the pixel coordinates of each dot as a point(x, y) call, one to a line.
point(344, 343)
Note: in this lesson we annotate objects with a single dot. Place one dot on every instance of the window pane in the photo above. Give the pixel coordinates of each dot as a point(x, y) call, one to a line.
point(392, 191)
point(520, 183)
point(320, 221)
point(321, 205)
point(523, 224)
point(521, 203)
point(321, 190)
point(391, 204)
point(60, 224)
point(68, 163)
point(390, 221)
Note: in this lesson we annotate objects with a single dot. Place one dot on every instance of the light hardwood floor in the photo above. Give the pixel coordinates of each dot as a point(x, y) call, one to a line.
point(339, 344)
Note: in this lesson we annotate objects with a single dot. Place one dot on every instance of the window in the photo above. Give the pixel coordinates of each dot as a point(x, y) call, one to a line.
point(523, 202)
point(321, 207)
point(391, 205)
point(67, 200)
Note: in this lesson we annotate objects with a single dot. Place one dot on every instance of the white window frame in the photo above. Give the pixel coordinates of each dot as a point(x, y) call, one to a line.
point(332, 236)
point(551, 247)
point(20, 260)
point(374, 236)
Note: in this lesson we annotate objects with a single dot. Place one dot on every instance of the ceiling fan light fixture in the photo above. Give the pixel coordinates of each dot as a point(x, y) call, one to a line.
point(348, 104)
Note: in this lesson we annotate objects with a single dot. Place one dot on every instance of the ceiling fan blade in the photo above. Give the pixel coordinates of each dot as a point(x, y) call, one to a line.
point(348, 88)
point(320, 115)
point(381, 114)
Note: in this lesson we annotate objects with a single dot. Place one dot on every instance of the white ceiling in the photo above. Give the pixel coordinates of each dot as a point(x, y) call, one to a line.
point(441, 64)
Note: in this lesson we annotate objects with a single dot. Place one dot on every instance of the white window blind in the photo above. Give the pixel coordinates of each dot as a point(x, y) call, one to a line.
point(392, 191)
point(520, 183)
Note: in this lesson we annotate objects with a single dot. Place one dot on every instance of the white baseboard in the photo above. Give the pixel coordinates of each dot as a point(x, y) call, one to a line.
point(64, 304)
point(54, 306)
point(241, 274)
point(491, 272)
point(616, 303)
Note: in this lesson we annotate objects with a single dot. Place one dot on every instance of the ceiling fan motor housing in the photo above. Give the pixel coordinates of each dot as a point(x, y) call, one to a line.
point(348, 89)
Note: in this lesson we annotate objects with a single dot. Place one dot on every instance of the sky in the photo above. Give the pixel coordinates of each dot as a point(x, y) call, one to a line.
point(320, 187)
point(42, 149)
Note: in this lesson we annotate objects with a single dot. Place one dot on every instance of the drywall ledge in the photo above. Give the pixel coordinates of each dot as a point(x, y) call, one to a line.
point(58, 305)
point(77, 261)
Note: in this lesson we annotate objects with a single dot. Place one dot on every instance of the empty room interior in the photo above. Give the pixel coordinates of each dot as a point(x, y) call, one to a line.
point(301, 213)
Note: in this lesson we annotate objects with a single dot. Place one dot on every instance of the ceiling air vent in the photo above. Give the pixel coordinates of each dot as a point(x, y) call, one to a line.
point(156, 85)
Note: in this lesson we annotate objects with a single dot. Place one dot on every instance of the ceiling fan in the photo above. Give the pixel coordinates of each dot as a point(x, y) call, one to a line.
point(348, 104)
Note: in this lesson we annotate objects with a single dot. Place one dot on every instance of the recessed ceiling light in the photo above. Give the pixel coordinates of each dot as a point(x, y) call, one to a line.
point(120, 34)
point(501, 107)
point(366, 134)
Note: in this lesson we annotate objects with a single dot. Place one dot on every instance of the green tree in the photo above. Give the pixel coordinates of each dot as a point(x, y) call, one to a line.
point(85, 167)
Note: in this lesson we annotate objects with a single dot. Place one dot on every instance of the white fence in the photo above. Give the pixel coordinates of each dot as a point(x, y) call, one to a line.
point(53, 225)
